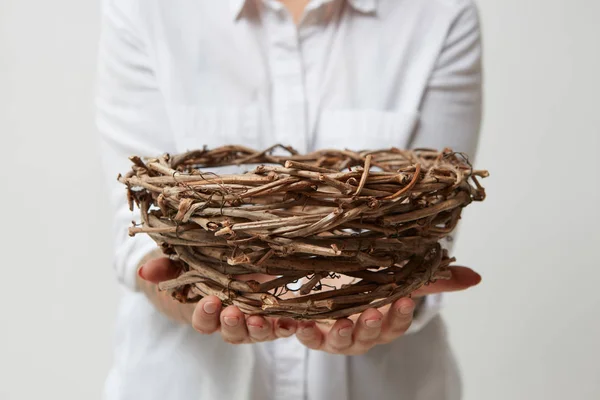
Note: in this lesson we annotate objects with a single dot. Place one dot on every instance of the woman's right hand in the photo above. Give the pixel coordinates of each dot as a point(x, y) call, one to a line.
point(208, 315)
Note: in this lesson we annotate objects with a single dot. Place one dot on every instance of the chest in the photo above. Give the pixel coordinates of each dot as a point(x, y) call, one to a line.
point(338, 79)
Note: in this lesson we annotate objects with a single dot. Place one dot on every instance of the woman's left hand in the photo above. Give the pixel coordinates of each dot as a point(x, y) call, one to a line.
point(357, 335)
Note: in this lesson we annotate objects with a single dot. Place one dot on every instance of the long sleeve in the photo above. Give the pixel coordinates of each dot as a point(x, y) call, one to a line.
point(451, 110)
point(132, 120)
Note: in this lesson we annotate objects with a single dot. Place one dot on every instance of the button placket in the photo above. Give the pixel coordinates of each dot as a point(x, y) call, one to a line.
point(288, 104)
point(288, 110)
point(290, 358)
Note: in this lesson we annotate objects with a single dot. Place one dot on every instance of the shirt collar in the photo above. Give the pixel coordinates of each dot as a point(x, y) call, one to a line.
point(363, 6)
point(236, 7)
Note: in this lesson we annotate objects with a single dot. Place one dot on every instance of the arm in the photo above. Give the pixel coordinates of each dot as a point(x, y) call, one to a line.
point(132, 119)
point(451, 107)
point(450, 117)
point(451, 110)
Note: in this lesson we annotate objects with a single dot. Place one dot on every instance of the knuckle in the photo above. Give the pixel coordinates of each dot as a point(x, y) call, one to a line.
point(259, 337)
point(402, 323)
point(404, 317)
point(201, 330)
point(398, 331)
point(367, 337)
point(346, 351)
point(313, 344)
point(203, 324)
point(339, 347)
point(199, 327)
point(233, 340)
point(264, 339)
point(365, 344)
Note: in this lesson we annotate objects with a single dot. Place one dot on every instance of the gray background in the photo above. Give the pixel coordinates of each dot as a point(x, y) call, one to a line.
point(530, 331)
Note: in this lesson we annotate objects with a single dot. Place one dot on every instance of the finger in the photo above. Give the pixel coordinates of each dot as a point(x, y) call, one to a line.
point(233, 328)
point(205, 318)
point(339, 337)
point(462, 278)
point(158, 270)
point(309, 334)
point(398, 319)
point(368, 328)
point(259, 328)
point(285, 327)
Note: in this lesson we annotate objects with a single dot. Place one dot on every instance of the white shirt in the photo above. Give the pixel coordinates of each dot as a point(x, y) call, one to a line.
point(364, 74)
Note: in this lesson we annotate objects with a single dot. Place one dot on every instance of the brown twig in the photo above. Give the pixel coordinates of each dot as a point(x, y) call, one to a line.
point(303, 217)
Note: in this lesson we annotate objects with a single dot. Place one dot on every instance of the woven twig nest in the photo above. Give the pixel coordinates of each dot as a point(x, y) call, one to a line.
point(373, 218)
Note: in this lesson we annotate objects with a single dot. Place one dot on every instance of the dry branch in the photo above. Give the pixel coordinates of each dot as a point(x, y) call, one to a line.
point(374, 217)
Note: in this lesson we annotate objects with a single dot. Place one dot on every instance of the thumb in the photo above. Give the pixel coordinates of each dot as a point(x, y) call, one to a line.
point(158, 270)
point(462, 278)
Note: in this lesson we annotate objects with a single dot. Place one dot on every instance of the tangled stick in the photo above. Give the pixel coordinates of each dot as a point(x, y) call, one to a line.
point(373, 218)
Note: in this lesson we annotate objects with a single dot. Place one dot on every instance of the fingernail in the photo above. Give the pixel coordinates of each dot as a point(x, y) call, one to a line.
point(282, 326)
point(284, 329)
point(141, 273)
point(255, 327)
point(231, 321)
point(210, 307)
point(285, 332)
point(405, 310)
point(345, 332)
point(373, 323)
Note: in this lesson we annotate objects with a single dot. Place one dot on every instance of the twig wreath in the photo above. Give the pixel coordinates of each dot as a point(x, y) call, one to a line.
point(300, 220)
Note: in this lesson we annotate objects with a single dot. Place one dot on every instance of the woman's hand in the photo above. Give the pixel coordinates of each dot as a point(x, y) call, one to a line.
point(208, 315)
point(358, 334)
point(349, 336)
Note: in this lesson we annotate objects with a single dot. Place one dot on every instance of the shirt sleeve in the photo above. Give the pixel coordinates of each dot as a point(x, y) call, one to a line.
point(131, 119)
point(451, 109)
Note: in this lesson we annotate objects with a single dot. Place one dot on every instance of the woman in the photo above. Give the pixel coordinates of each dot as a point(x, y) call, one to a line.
point(364, 74)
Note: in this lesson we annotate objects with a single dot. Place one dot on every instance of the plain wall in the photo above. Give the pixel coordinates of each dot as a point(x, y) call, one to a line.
point(57, 290)
point(530, 331)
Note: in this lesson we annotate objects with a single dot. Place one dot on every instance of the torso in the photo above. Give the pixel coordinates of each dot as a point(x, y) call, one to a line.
point(337, 77)
point(340, 76)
